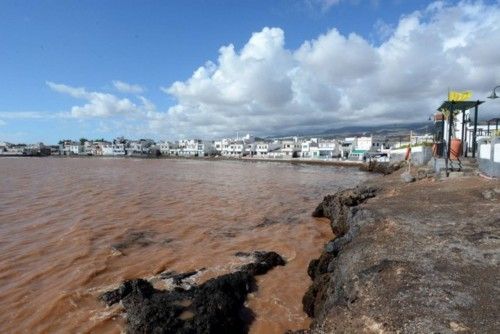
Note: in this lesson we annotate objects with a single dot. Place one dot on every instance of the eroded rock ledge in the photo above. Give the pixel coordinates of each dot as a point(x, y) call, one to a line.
point(417, 258)
point(342, 210)
point(216, 306)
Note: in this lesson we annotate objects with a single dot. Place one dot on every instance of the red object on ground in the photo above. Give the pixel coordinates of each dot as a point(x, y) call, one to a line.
point(408, 152)
point(456, 149)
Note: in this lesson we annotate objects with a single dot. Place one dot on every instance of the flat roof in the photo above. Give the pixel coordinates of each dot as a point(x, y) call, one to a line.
point(459, 105)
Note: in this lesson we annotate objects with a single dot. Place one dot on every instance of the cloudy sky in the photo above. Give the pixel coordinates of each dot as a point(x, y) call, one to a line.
point(208, 69)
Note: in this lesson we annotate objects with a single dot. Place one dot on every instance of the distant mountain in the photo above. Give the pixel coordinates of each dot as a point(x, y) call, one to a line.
point(383, 130)
point(388, 130)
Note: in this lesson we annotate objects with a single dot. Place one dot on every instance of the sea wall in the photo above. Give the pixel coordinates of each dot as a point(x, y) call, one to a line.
point(489, 156)
point(420, 155)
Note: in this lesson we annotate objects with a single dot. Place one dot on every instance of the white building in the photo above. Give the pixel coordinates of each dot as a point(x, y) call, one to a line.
point(4, 146)
point(234, 148)
point(329, 149)
point(362, 143)
point(291, 148)
point(97, 147)
point(88, 148)
point(309, 149)
point(263, 149)
point(119, 149)
point(107, 149)
point(195, 148)
point(482, 129)
point(75, 148)
point(219, 145)
point(165, 147)
point(136, 147)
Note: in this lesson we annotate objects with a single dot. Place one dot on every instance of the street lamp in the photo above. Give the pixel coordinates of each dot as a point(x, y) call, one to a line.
point(494, 94)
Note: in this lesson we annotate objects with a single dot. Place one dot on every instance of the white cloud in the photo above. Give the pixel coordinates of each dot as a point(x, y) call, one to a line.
point(324, 5)
point(24, 114)
point(124, 87)
point(99, 104)
point(336, 80)
point(331, 81)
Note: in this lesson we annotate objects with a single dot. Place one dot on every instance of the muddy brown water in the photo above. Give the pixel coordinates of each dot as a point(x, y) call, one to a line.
point(73, 228)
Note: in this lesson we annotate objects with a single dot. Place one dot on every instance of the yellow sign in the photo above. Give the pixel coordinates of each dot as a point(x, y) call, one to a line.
point(459, 96)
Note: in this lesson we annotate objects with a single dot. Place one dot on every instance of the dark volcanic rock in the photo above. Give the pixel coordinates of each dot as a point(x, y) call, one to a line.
point(114, 296)
point(264, 261)
point(316, 294)
point(176, 277)
point(338, 207)
point(320, 266)
point(216, 306)
point(213, 307)
point(385, 168)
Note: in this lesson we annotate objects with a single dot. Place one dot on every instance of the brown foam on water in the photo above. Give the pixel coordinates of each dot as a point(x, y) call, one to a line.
point(73, 228)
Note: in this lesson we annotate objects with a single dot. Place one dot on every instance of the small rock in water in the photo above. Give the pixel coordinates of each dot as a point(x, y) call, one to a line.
point(116, 252)
point(264, 261)
point(407, 177)
point(215, 306)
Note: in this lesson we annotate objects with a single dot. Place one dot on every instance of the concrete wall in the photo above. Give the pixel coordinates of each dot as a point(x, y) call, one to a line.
point(420, 155)
point(489, 156)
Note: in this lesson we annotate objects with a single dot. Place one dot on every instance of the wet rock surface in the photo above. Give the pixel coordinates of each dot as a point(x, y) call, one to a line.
point(216, 306)
point(264, 261)
point(177, 278)
point(417, 258)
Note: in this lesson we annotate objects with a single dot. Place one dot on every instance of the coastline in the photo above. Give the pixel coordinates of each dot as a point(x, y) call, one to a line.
point(340, 163)
point(148, 218)
point(410, 258)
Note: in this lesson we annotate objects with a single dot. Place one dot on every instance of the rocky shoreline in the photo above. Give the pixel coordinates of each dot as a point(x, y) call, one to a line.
point(404, 258)
point(408, 258)
point(344, 214)
point(216, 306)
point(340, 163)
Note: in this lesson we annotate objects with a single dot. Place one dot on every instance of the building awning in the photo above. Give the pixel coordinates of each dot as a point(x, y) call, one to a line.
point(459, 105)
point(359, 151)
